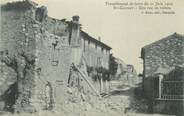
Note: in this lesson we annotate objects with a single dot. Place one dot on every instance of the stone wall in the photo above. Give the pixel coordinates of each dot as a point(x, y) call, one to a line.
point(167, 52)
point(17, 40)
point(57, 27)
point(36, 53)
point(35, 56)
point(125, 73)
point(52, 65)
point(169, 107)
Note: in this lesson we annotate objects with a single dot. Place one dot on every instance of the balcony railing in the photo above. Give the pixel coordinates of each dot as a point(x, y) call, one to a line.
point(172, 90)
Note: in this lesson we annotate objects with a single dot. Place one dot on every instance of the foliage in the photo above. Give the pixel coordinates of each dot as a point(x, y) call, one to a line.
point(90, 69)
point(98, 72)
point(113, 65)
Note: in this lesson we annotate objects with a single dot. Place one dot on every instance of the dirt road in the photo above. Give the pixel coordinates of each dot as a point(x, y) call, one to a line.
point(122, 101)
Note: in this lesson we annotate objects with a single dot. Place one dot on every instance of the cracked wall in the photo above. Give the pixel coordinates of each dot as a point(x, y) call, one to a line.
point(33, 56)
point(20, 47)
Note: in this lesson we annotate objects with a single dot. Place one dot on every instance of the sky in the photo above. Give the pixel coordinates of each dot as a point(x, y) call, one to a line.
point(126, 31)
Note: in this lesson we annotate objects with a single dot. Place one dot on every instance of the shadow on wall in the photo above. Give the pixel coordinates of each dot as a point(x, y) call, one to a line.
point(9, 98)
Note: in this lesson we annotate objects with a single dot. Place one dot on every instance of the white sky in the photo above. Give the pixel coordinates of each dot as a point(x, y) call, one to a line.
point(125, 31)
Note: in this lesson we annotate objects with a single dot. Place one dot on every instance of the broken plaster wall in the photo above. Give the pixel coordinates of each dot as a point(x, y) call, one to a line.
point(57, 27)
point(17, 52)
point(35, 57)
point(52, 65)
point(40, 55)
point(125, 73)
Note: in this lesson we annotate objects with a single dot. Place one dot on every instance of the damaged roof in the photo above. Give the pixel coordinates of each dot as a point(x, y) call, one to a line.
point(19, 5)
point(86, 35)
point(27, 4)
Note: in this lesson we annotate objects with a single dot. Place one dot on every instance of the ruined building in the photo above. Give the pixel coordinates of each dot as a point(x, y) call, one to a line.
point(163, 74)
point(125, 72)
point(36, 53)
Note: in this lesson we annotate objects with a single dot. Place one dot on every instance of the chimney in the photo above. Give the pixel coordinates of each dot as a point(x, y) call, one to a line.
point(75, 31)
point(75, 19)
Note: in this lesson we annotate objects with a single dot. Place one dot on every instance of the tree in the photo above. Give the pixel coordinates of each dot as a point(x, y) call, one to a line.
point(113, 65)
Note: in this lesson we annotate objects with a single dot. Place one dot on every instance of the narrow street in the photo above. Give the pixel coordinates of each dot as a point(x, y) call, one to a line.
point(127, 100)
point(124, 101)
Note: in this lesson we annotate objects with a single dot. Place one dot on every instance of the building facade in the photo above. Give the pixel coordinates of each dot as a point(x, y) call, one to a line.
point(95, 52)
point(36, 53)
point(160, 60)
point(165, 52)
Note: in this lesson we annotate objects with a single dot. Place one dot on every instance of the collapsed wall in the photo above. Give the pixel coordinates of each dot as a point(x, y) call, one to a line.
point(32, 58)
point(125, 73)
point(17, 52)
point(52, 66)
point(36, 56)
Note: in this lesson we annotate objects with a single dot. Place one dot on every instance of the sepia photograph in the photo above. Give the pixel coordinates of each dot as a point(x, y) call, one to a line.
point(92, 58)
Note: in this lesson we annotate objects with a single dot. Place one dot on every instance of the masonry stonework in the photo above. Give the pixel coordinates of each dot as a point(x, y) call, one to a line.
point(36, 53)
point(35, 56)
point(162, 58)
point(166, 52)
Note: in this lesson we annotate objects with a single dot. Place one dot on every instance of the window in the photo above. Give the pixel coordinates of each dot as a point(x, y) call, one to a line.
point(99, 61)
point(92, 45)
point(102, 50)
point(84, 45)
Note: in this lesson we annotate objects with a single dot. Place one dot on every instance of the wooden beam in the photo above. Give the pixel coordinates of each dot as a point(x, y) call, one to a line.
point(84, 77)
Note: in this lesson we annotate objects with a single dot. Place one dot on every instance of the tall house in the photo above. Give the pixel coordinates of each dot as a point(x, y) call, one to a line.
point(74, 29)
point(96, 52)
